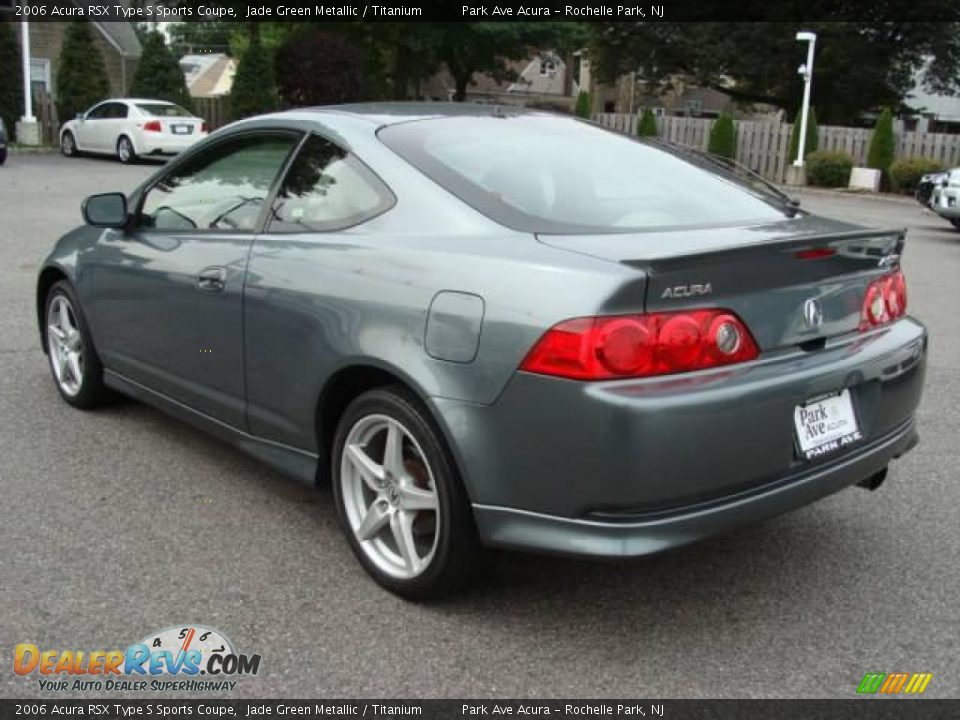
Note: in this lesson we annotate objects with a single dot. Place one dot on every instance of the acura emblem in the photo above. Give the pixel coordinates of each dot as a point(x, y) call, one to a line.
point(812, 313)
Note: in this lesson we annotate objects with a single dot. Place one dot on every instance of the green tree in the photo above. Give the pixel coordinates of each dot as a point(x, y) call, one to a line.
point(812, 140)
point(254, 90)
point(723, 137)
point(158, 74)
point(883, 145)
point(11, 89)
point(81, 76)
point(647, 126)
point(859, 66)
point(583, 104)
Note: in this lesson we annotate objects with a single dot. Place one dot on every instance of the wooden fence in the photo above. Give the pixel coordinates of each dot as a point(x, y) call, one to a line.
point(763, 145)
point(212, 109)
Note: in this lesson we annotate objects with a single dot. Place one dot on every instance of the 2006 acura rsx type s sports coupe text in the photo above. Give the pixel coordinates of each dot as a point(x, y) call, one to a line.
point(493, 327)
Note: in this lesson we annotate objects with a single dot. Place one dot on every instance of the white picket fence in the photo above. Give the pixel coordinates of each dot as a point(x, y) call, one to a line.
point(763, 145)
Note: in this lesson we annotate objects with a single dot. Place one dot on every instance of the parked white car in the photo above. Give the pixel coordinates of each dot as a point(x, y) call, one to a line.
point(945, 199)
point(130, 128)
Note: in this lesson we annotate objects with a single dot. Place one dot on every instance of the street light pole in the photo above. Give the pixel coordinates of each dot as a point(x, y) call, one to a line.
point(807, 71)
point(25, 59)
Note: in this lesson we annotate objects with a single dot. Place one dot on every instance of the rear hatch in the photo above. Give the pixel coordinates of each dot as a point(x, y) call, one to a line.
point(766, 274)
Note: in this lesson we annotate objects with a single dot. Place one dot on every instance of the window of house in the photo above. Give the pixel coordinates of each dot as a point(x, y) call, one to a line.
point(327, 189)
point(548, 67)
point(221, 188)
point(39, 76)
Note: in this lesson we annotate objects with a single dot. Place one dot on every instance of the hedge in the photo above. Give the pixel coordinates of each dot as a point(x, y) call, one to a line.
point(829, 168)
point(905, 174)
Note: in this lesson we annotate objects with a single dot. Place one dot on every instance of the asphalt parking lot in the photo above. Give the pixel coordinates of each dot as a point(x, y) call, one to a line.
point(122, 522)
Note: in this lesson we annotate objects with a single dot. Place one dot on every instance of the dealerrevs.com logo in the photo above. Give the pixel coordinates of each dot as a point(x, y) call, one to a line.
point(189, 658)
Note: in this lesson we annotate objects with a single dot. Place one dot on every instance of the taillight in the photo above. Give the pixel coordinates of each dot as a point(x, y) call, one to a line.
point(152, 126)
point(623, 346)
point(884, 301)
point(204, 128)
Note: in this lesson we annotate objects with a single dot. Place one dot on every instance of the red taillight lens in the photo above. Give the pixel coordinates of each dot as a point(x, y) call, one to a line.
point(204, 127)
point(621, 346)
point(152, 126)
point(884, 301)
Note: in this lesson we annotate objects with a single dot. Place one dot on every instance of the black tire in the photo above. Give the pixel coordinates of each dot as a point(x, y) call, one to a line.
point(3, 156)
point(458, 558)
point(68, 145)
point(128, 155)
point(92, 392)
point(956, 222)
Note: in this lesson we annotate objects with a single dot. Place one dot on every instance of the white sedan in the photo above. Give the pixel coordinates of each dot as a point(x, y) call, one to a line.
point(129, 128)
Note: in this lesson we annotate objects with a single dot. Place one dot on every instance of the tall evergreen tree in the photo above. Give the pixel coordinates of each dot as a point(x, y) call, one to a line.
point(582, 108)
point(647, 126)
point(81, 77)
point(11, 89)
point(883, 143)
point(158, 75)
point(723, 137)
point(254, 90)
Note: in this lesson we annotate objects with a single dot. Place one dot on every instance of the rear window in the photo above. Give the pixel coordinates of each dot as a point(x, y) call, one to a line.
point(160, 110)
point(546, 174)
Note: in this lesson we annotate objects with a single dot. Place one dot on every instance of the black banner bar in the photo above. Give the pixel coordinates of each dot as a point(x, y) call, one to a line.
point(353, 709)
point(480, 10)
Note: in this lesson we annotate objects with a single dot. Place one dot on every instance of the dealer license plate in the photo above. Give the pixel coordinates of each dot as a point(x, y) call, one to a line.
point(181, 129)
point(826, 425)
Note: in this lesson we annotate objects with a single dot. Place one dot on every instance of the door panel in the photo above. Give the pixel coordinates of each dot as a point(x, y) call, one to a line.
point(167, 296)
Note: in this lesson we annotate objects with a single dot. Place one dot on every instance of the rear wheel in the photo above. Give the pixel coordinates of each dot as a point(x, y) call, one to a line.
point(76, 369)
point(399, 497)
point(125, 150)
point(68, 144)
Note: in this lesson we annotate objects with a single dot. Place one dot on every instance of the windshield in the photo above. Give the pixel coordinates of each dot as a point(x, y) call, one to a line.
point(161, 110)
point(545, 174)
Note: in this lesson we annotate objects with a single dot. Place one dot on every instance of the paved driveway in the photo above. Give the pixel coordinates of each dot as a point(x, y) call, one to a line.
point(121, 522)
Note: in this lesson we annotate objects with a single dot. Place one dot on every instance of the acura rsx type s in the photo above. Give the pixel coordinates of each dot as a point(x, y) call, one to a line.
point(493, 327)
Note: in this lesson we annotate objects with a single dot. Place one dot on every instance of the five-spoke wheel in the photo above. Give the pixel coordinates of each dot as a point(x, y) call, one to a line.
point(399, 497)
point(65, 345)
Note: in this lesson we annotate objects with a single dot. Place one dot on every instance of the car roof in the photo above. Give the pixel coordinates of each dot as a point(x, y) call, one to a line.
point(389, 113)
point(135, 100)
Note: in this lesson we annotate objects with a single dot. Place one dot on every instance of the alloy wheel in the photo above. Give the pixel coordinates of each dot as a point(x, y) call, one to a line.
point(390, 496)
point(65, 345)
point(124, 149)
point(67, 144)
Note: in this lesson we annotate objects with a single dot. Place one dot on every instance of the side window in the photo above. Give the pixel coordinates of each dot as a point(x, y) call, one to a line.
point(221, 188)
point(118, 111)
point(327, 189)
point(99, 112)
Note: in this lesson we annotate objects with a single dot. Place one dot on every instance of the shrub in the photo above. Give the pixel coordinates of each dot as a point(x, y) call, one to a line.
point(905, 174)
point(81, 77)
point(723, 137)
point(158, 74)
point(828, 168)
point(315, 67)
point(253, 90)
point(883, 145)
point(647, 125)
point(583, 104)
point(11, 89)
point(812, 140)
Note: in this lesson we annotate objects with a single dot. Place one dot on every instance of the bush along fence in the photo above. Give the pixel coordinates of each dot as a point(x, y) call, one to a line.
point(763, 146)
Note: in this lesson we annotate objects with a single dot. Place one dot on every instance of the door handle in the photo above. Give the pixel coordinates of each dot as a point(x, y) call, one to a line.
point(212, 279)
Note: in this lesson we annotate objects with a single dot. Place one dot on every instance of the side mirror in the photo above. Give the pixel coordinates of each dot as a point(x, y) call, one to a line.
point(108, 210)
point(80, 116)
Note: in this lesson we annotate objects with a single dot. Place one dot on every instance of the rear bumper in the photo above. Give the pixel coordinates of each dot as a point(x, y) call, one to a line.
point(511, 528)
point(629, 467)
point(156, 144)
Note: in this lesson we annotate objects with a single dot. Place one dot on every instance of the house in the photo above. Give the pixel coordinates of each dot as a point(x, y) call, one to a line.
point(931, 112)
point(208, 75)
point(116, 41)
point(542, 80)
point(679, 98)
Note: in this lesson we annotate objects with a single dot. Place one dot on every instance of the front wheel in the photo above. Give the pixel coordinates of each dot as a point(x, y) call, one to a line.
point(125, 150)
point(74, 363)
point(399, 497)
point(68, 144)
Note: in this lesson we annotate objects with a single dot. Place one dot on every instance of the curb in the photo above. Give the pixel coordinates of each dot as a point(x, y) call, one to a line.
point(872, 197)
point(32, 149)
